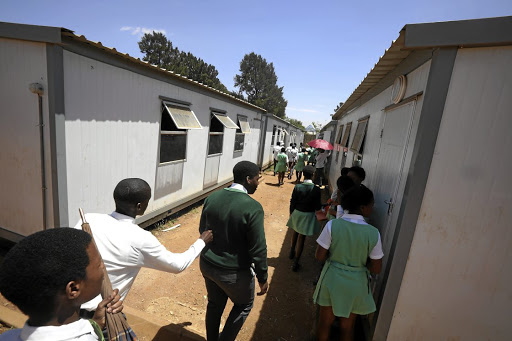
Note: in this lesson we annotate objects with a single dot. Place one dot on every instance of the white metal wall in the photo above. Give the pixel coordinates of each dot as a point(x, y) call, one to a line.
point(457, 281)
point(112, 132)
point(22, 63)
point(416, 82)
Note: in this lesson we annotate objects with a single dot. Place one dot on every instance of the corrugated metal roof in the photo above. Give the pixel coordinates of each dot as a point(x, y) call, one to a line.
point(393, 56)
point(82, 39)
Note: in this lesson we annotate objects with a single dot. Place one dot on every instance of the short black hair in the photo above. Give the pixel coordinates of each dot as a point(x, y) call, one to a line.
point(132, 191)
point(357, 196)
point(245, 169)
point(40, 266)
point(278, 143)
point(344, 183)
point(344, 171)
point(303, 149)
point(359, 171)
point(283, 149)
point(308, 171)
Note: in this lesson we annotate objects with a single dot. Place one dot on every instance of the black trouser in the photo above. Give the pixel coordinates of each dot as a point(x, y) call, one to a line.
point(238, 285)
point(319, 175)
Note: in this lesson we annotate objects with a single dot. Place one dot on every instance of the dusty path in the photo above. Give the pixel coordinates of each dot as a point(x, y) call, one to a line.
point(285, 313)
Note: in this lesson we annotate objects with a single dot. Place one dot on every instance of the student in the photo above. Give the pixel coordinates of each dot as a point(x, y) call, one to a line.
point(276, 151)
point(126, 248)
point(306, 199)
point(280, 168)
point(289, 154)
point(238, 253)
point(301, 163)
point(321, 161)
point(351, 250)
point(48, 275)
point(344, 184)
point(357, 174)
point(292, 157)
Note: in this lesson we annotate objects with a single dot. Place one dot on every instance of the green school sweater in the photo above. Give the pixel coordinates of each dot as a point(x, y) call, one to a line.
point(236, 220)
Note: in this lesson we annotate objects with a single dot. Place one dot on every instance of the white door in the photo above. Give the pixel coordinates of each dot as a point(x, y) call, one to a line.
point(211, 171)
point(390, 175)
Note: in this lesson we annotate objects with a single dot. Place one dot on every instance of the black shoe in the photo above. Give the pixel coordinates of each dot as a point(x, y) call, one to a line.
point(296, 267)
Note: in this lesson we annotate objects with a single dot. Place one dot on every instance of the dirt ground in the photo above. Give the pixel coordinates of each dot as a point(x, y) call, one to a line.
point(285, 313)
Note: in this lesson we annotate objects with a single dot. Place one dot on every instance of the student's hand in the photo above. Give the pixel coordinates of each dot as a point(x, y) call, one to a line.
point(207, 236)
point(263, 288)
point(111, 304)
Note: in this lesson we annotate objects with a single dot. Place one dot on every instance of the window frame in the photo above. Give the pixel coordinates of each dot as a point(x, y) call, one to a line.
point(360, 135)
point(239, 133)
point(176, 132)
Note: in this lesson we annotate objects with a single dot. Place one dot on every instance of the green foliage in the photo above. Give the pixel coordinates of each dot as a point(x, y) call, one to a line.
point(158, 50)
point(295, 122)
point(258, 82)
point(317, 126)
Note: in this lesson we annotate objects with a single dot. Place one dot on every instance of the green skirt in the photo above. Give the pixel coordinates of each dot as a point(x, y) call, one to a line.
point(299, 167)
point(345, 289)
point(303, 222)
point(280, 167)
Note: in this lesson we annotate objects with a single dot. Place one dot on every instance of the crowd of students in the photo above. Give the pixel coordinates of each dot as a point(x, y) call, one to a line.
point(350, 248)
point(55, 276)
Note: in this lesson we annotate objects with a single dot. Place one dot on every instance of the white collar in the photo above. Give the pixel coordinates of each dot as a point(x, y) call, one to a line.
point(307, 181)
point(122, 217)
point(353, 216)
point(239, 187)
point(55, 333)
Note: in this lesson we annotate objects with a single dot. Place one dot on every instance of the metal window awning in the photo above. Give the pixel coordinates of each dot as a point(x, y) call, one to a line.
point(244, 125)
point(183, 117)
point(226, 121)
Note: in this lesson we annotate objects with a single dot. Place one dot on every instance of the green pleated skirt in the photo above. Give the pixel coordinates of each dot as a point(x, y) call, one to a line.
point(303, 222)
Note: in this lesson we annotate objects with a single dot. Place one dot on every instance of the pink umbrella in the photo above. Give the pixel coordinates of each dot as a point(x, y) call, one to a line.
point(320, 144)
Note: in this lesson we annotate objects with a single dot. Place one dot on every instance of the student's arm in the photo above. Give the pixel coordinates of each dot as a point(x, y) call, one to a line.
point(293, 201)
point(154, 255)
point(111, 304)
point(321, 254)
point(257, 246)
point(374, 263)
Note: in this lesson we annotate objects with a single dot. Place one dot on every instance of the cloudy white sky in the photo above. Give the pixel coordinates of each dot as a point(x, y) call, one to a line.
point(321, 50)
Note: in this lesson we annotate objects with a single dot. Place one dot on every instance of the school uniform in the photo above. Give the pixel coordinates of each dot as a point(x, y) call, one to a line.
point(301, 162)
point(81, 330)
point(282, 163)
point(228, 264)
point(343, 283)
point(306, 199)
point(126, 248)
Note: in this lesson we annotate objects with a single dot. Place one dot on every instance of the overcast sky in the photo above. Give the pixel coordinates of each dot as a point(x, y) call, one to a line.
point(321, 50)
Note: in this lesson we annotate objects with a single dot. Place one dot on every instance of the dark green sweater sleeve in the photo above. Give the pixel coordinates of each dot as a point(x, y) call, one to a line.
point(257, 245)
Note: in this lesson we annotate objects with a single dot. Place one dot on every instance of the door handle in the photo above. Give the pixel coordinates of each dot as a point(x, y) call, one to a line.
point(390, 205)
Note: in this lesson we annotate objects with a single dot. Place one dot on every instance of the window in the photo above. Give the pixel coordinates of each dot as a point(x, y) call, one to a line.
point(174, 123)
point(217, 124)
point(338, 142)
point(358, 142)
point(346, 135)
point(240, 133)
point(274, 131)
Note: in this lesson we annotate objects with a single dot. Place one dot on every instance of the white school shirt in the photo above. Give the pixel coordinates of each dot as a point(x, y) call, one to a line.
point(324, 240)
point(80, 330)
point(277, 150)
point(321, 159)
point(294, 152)
point(126, 248)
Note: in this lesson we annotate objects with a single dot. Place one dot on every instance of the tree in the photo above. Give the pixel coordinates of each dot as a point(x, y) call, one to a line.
point(317, 126)
point(158, 50)
point(258, 82)
point(295, 122)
